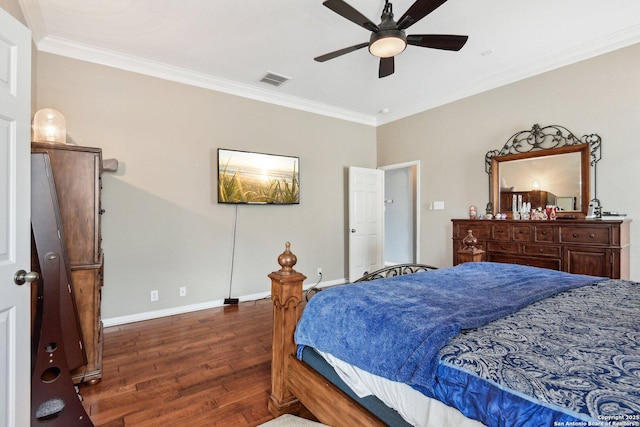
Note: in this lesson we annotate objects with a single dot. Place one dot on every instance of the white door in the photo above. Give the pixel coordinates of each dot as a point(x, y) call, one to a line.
point(15, 217)
point(365, 221)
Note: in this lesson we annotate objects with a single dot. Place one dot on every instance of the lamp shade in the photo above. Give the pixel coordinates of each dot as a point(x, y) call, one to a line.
point(49, 125)
point(387, 43)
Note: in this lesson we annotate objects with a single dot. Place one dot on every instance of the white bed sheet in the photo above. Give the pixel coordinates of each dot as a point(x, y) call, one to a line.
point(416, 408)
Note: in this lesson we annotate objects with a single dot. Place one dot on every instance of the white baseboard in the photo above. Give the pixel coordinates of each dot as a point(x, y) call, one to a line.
point(148, 315)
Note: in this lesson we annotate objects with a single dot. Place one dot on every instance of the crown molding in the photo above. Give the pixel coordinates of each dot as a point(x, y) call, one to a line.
point(33, 15)
point(586, 51)
point(59, 46)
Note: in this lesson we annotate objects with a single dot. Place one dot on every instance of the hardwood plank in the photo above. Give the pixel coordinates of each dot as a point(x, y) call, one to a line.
point(207, 368)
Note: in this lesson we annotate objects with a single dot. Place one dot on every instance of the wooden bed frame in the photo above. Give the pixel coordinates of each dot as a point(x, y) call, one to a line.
point(293, 383)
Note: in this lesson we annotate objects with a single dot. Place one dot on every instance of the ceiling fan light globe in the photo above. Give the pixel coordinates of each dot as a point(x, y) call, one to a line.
point(385, 44)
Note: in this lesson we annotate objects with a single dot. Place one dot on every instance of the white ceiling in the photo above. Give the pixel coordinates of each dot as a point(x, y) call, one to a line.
point(229, 45)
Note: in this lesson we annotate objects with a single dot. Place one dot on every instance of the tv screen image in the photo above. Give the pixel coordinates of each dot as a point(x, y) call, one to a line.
point(257, 178)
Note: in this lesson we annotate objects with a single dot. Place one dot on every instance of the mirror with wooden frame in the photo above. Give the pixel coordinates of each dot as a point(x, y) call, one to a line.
point(544, 166)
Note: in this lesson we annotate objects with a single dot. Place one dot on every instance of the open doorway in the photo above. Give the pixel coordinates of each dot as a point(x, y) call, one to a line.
point(401, 213)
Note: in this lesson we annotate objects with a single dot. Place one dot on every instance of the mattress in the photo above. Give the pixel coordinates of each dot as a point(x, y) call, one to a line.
point(394, 403)
point(570, 359)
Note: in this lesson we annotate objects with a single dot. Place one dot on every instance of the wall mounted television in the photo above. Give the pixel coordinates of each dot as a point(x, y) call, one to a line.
point(257, 178)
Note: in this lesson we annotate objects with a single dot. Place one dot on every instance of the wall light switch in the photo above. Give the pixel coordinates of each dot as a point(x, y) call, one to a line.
point(439, 205)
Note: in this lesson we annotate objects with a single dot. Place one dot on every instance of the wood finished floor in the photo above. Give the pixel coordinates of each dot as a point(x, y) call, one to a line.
point(207, 368)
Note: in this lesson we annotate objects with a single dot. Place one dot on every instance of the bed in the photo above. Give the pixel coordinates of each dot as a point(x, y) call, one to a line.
point(557, 349)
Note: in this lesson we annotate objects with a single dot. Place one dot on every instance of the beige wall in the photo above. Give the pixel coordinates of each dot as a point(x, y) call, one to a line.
point(600, 95)
point(13, 7)
point(163, 227)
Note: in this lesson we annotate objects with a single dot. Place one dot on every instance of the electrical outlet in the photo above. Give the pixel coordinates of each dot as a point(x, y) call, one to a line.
point(154, 295)
point(319, 271)
point(183, 291)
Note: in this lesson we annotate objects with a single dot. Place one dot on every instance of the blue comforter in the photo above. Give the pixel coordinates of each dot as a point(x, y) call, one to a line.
point(397, 334)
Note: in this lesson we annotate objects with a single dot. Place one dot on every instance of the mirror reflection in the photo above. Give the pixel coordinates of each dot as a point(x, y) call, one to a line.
point(544, 166)
point(548, 180)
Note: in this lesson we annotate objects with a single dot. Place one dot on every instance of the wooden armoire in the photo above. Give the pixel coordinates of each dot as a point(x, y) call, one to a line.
point(77, 174)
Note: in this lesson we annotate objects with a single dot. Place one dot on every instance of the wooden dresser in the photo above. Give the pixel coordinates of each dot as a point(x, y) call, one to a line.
point(77, 175)
point(593, 247)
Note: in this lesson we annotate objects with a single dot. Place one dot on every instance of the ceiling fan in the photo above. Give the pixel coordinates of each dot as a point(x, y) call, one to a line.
point(388, 38)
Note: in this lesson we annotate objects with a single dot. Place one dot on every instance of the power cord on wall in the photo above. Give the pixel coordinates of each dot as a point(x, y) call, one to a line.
point(314, 289)
point(230, 300)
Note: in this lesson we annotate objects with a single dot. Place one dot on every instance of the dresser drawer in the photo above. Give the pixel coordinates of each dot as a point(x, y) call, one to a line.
point(522, 233)
point(550, 263)
point(502, 247)
point(544, 233)
point(501, 232)
point(589, 235)
point(480, 229)
point(543, 250)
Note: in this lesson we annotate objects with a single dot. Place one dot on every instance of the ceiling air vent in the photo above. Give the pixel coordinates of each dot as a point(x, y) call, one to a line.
point(274, 79)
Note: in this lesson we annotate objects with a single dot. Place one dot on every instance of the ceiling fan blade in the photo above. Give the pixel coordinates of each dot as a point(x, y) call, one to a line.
point(331, 55)
point(417, 11)
point(437, 41)
point(346, 11)
point(387, 67)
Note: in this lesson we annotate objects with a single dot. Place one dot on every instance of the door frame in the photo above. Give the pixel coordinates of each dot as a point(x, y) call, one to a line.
point(415, 191)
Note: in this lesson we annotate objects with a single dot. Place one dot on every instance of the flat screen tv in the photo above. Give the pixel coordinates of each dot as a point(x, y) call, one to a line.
point(257, 178)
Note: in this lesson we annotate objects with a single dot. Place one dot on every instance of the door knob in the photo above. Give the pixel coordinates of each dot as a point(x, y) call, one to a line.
point(22, 276)
point(353, 230)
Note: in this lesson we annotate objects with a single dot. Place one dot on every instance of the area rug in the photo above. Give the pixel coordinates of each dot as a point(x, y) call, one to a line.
point(288, 420)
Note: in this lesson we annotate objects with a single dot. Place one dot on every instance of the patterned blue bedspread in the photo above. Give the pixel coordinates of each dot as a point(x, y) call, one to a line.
point(395, 327)
point(578, 350)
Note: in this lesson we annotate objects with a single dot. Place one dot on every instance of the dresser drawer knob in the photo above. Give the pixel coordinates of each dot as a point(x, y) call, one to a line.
point(520, 231)
point(592, 235)
point(544, 232)
point(575, 234)
point(541, 250)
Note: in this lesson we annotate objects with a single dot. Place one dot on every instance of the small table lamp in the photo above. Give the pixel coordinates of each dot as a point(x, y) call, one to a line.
point(469, 253)
point(49, 125)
